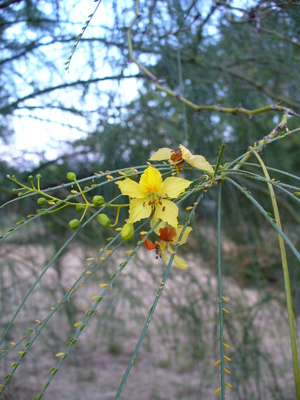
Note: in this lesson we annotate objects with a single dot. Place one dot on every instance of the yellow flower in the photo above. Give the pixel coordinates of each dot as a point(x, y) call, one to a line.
point(151, 196)
point(168, 238)
point(181, 155)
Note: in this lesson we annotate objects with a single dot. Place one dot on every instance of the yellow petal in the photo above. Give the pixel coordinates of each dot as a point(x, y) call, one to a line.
point(151, 180)
point(167, 211)
point(163, 246)
point(153, 221)
point(170, 248)
point(131, 188)
point(163, 249)
point(180, 262)
point(196, 161)
point(187, 231)
point(186, 154)
point(172, 187)
point(159, 226)
point(200, 162)
point(162, 154)
point(139, 209)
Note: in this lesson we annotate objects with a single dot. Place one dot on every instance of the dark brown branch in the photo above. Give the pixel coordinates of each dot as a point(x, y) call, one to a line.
point(10, 107)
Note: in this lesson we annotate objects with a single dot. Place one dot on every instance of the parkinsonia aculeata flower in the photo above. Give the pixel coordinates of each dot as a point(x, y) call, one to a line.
point(153, 196)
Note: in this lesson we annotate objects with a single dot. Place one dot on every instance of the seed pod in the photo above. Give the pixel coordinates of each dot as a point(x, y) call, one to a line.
point(104, 220)
point(98, 201)
point(74, 223)
point(71, 176)
point(127, 232)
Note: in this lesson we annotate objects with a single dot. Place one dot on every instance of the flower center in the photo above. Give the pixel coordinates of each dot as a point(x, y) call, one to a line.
point(152, 189)
point(154, 200)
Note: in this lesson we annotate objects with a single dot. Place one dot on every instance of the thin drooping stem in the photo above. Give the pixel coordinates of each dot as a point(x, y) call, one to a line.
point(286, 277)
point(220, 297)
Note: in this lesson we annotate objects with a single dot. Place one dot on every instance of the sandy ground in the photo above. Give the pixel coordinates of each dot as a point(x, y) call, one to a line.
point(176, 358)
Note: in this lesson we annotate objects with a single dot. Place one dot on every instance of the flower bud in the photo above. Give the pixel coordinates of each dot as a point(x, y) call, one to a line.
point(71, 176)
point(130, 174)
point(80, 207)
point(41, 201)
point(104, 220)
point(98, 201)
point(127, 232)
point(74, 223)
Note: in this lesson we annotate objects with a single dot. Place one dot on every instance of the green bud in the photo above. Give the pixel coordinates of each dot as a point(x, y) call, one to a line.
point(130, 174)
point(104, 220)
point(74, 223)
point(30, 177)
point(71, 176)
point(98, 201)
point(80, 207)
point(127, 232)
point(296, 194)
point(41, 201)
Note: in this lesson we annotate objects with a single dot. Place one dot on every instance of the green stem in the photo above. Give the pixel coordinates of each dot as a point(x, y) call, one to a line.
point(118, 205)
point(117, 218)
point(220, 297)
point(286, 282)
point(81, 192)
point(219, 158)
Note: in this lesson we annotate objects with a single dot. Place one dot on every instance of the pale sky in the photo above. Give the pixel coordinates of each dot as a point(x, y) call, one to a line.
point(47, 138)
point(35, 134)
